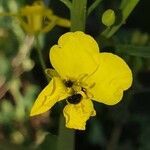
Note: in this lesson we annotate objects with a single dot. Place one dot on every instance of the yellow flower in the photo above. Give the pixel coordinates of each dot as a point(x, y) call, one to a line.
point(82, 74)
point(38, 18)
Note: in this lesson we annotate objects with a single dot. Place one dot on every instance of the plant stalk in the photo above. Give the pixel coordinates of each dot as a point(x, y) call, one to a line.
point(78, 15)
point(66, 138)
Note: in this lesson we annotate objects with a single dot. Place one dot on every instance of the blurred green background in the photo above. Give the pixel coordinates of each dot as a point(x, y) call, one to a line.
point(125, 126)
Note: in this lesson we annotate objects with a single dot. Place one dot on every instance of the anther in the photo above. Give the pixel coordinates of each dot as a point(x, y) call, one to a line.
point(68, 83)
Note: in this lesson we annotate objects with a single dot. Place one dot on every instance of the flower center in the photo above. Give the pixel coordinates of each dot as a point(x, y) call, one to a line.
point(68, 83)
point(77, 90)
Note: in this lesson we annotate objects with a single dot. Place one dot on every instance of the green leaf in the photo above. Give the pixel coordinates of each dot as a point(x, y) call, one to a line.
point(139, 51)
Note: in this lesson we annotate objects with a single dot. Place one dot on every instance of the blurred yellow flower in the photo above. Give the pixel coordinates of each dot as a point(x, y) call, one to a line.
point(82, 74)
point(38, 18)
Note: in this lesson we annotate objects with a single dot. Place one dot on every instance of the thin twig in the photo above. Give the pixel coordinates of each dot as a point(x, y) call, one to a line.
point(24, 51)
point(17, 62)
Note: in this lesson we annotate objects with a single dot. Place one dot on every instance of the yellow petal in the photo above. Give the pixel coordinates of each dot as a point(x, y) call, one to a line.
point(53, 20)
point(77, 115)
point(111, 79)
point(52, 93)
point(76, 54)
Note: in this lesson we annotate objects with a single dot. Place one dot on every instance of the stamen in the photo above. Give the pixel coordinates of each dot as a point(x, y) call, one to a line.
point(82, 77)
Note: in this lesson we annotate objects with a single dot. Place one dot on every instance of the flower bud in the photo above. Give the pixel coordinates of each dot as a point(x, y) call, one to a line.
point(108, 17)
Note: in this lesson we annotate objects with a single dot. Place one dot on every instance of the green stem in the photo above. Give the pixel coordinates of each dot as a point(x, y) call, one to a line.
point(78, 15)
point(94, 5)
point(43, 65)
point(126, 7)
point(66, 138)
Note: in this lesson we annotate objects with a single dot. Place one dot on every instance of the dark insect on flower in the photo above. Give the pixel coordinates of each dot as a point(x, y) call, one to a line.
point(74, 99)
point(68, 83)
